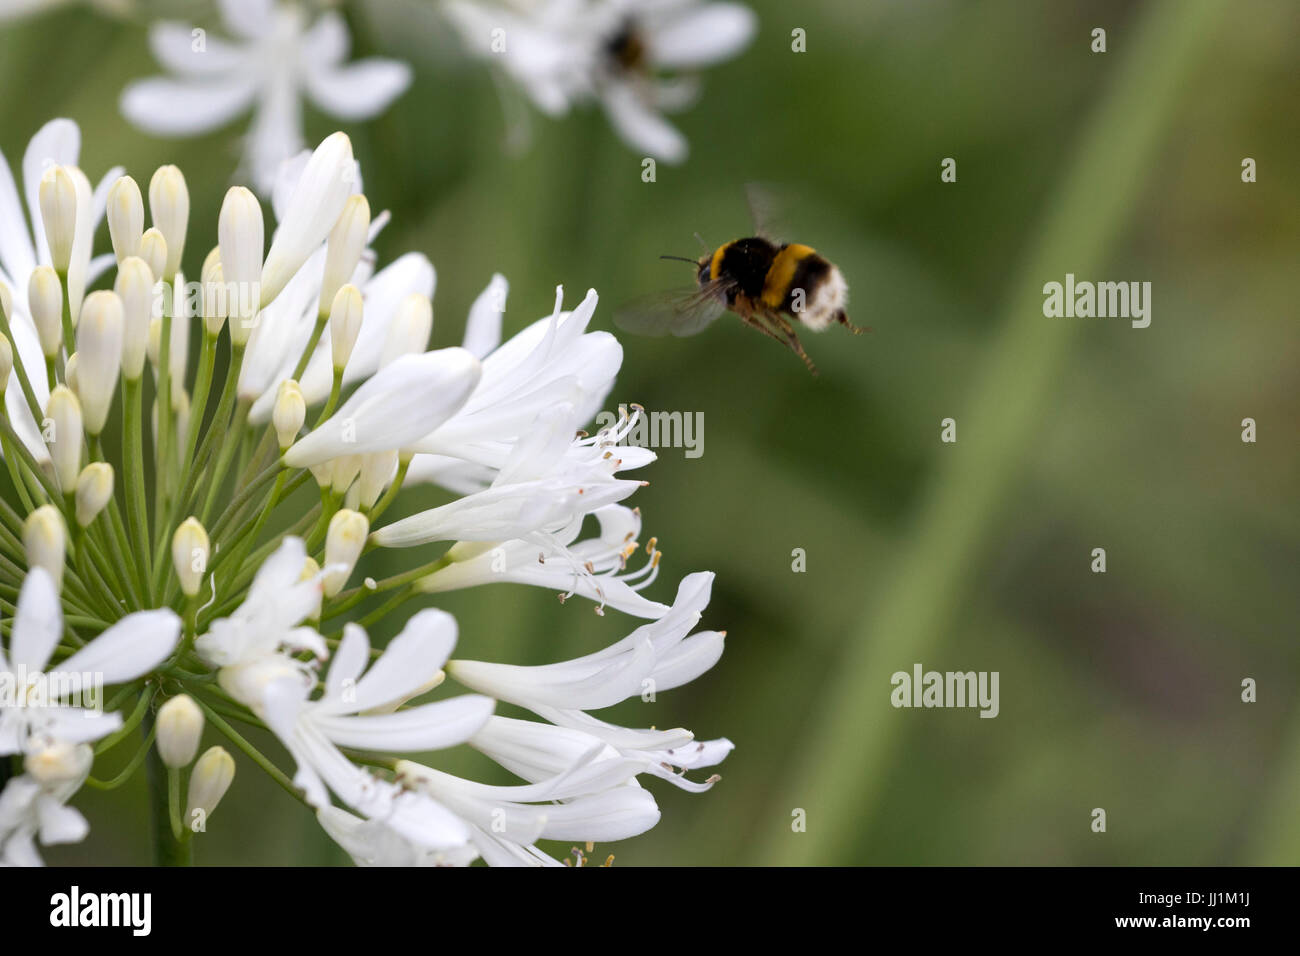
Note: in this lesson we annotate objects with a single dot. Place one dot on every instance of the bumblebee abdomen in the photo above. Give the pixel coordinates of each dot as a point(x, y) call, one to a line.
point(806, 285)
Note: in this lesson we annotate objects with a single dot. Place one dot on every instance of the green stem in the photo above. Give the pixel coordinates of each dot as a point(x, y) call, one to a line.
point(168, 849)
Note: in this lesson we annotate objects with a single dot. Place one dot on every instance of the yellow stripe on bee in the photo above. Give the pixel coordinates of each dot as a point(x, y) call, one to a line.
point(781, 274)
point(718, 253)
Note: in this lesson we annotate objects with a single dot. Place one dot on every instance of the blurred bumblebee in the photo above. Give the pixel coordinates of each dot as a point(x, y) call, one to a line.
point(766, 283)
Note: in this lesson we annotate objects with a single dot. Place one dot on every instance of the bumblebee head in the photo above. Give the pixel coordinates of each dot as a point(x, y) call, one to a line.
point(702, 265)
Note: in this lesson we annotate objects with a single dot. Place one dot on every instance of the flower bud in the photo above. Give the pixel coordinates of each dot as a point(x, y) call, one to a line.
point(59, 762)
point(45, 300)
point(58, 202)
point(343, 251)
point(377, 471)
point(94, 489)
point(63, 413)
point(153, 250)
point(216, 300)
point(209, 782)
point(179, 726)
point(99, 356)
point(346, 469)
point(289, 413)
point(409, 332)
point(190, 550)
point(345, 324)
point(6, 302)
point(45, 542)
point(125, 213)
point(169, 204)
point(239, 231)
point(6, 362)
point(70, 372)
point(343, 544)
point(311, 214)
point(135, 287)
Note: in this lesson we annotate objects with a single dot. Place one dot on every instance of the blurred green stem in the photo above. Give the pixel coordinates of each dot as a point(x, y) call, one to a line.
point(853, 731)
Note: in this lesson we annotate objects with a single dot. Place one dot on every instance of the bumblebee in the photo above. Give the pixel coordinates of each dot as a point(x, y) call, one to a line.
point(761, 281)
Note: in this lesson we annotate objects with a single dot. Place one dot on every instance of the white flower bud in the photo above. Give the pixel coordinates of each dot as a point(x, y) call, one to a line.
point(181, 410)
point(70, 371)
point(409, 332)
point(343, 544)
point(45, 542)
point(135, 287)
point(6, 302)
point(377, 471)
point(190, 551)
point(210, 262)
point(179, 726)
point(346, 469)
point(94, 489)
point(209, 782)
point(289, 413)
point(59, 762)
point(58, 201)
point(6, 362)
point(169, 205)
point(63, 412)
point(239, 231)
point(323, 473)
point(99, 356)
point(345, 324)
point(343, 251)
point(313, 209)
point(153, 250)
point(125, 213)
point(45, 300)
point(215, 300)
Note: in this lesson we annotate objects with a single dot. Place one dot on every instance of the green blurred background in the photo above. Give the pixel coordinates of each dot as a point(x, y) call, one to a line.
point(1119, 691)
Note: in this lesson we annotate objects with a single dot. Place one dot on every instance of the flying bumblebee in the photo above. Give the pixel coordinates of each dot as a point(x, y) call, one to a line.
point(761, 281)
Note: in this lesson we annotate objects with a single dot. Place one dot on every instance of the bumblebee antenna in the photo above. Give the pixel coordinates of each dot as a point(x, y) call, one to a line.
point(680, 259)
point(704, 245)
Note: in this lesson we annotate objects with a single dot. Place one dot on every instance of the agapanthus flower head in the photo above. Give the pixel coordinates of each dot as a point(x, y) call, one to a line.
point(633, 57)
point(272, 58)
point(210, 568)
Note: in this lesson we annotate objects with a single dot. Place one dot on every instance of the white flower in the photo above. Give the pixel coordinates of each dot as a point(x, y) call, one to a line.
point(278, 601)
point(22, 249)
point(554, 361)
point(276, 58)
point(32, 809)
point(34, 706)
point(595, 568)
point(314, 729)
point(655, 657)
point(563, 52)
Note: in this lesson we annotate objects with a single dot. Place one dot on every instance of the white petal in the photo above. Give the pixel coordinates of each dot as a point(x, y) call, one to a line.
point(173, 46)
point(359, 90)
point(708, 34)
point(426, 727)
point(640, 126)
point(483, 329)
point(167, 107)
point(409, 662)
point(130, 648)
point(37, 624)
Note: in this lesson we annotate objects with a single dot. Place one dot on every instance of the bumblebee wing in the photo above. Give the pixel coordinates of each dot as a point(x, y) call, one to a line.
point(679, 312)
point(768, 210)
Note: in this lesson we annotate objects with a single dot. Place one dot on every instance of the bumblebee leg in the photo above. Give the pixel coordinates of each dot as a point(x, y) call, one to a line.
point(843, 318)
point(753, 322)
point(791, 339)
